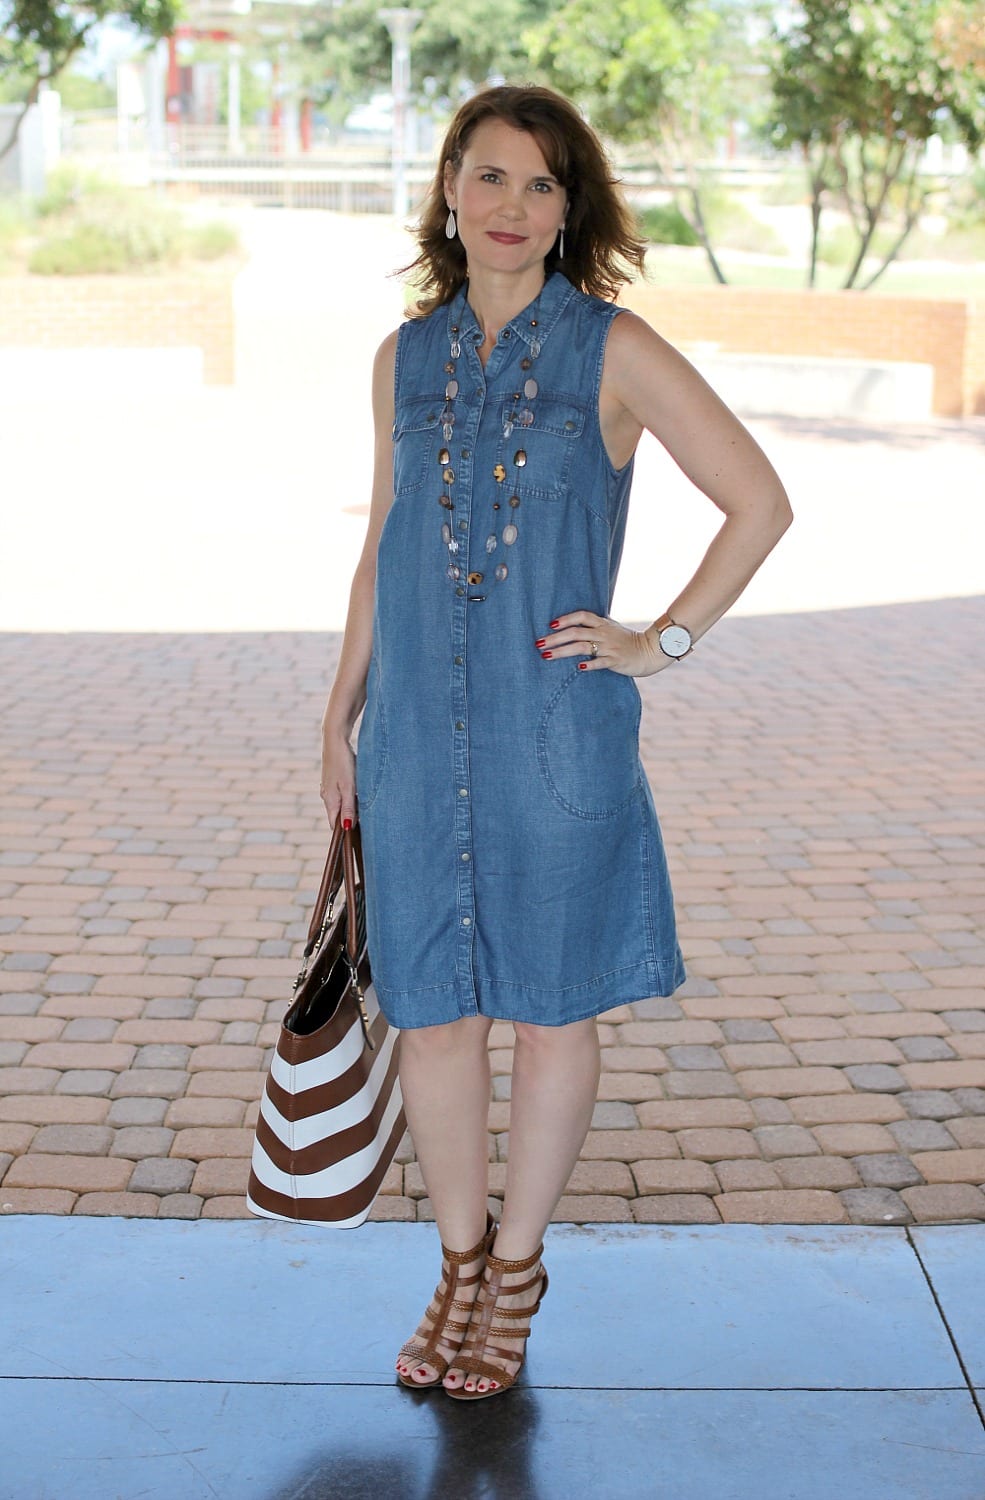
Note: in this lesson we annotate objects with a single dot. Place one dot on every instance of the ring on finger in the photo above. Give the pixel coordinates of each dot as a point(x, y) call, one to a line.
point(594, 648)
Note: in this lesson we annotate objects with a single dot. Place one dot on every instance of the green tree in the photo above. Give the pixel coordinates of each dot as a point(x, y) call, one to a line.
point(668, 75)
point(859, 89)
point(38, 38)
point(454, 48)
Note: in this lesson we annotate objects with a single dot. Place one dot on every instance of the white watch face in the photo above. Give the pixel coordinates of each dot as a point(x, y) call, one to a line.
point(675, 640)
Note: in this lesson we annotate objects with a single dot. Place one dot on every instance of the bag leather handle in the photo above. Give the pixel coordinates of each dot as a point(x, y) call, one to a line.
point(330, 881)
point(352, 858)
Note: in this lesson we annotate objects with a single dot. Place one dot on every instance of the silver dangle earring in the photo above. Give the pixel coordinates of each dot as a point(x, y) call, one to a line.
point(451, 228)
point(560, 250)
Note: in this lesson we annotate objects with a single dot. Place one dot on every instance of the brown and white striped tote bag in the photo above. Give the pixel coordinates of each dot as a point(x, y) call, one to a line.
point(331, 1116)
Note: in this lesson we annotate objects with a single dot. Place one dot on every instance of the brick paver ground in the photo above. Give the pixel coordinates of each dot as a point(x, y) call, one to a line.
point(820, 782)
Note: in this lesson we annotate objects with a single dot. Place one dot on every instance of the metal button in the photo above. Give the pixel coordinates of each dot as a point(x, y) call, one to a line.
point(459, 591)
point(506, 333)
point(466, 856)
point(459, 724)
point(466, 921)
point(466, 452)
point(458, 661)
point(463, 791)
point(463, 525)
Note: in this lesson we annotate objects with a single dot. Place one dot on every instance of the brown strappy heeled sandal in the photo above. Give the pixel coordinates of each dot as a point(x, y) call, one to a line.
point(440, 1308)
point(489, 1321)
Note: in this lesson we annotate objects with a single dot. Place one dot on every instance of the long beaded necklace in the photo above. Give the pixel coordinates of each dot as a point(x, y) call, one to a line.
point(521, 416)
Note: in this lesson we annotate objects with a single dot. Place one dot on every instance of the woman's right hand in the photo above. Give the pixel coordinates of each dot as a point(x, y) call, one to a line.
point(338, 777)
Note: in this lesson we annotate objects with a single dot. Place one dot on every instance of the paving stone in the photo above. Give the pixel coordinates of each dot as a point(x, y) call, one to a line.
point(183, 1033)
point(85, 1081)
point(784, 1140)
point(12, 1053)
point(786, 1206)
point(205, 1143)
point(746, 1176)
point(182, 1206)
point(968, 1133)
point(624, 1145)
point(5, 1159)
point(611, 1115)
point(138, 1141)
point(925, 1048)
point(675, 1208)
point(851, 1052)
point(28, 1080)
point(682, 1114)
point(675, 1177)
point(945, 1201)
point(691, 1057)
point(35, 1200)
point(875, 1206)
point(54, 1109)
point(137, 1111)
point(786, 1083)
point(711, 1144)
point(888, 1170)
point(390, 1208)
point(969, 1101)
point(875, 1078)
point(79, 1174)
point(15, 1139)
point(701, 1084)
point(89, 1029)
point(189, 1112)
point(772, 1111)
point(163, 1175)
point(74, 1140)
point(964, 1020)
point(168, 1008)
point(747, 1030)
point(168, 1056)
point(109, 1056)
point(929, 1104)
point(967, 1073)
point(213, 1178)
point(657, 1010)
point(151, 1083)
point(961, 1165)
point(593, 1209)
point(855, 1139)
point(118, 1205)
point(816, 1172)
point(928, 1135)
point(603, 1177)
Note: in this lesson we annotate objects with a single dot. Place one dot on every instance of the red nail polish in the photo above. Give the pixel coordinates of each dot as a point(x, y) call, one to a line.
point(547, 655)
point(540, 643)
point(555, 624)
point(346, 822)
point(583, 666)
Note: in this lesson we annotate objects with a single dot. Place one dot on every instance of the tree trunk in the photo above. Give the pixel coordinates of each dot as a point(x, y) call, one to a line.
point(11, 141)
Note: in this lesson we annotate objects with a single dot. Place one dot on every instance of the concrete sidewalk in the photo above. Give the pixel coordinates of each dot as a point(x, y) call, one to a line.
point(819, 779)
point(254, 1362)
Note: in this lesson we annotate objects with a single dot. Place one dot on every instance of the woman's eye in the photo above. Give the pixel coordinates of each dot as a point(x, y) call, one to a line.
point(490, 177)
point(542, 187)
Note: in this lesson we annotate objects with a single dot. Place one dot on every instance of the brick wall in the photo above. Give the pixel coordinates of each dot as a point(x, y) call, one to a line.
point(948, 335)
point(119, 312)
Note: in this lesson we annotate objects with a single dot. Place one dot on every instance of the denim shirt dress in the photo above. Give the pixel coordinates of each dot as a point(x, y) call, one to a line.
point(513, 858)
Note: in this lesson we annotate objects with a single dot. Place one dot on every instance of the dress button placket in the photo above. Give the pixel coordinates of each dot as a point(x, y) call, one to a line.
point(459, 705)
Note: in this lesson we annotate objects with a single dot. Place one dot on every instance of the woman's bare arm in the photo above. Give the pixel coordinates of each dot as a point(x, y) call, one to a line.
point(646, 383)
point(348, 693)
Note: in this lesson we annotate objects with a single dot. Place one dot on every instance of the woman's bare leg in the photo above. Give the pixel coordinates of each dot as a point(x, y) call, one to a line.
point(444, 1077)
point(555, 1084)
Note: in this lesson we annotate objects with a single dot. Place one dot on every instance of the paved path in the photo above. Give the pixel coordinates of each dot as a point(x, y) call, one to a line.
point(819, 778)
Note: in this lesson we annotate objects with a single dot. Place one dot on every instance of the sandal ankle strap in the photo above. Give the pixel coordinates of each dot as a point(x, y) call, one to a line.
point(495, 1263)
point(462, 1257)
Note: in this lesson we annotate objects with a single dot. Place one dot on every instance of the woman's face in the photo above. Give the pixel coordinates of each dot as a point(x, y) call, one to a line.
point(507, 201)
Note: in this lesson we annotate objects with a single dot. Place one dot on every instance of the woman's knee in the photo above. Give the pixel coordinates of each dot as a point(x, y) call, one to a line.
point(453, 1038)
point(575, 1034)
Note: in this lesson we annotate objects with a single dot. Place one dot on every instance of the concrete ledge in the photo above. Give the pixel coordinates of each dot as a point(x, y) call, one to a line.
point(788, 385)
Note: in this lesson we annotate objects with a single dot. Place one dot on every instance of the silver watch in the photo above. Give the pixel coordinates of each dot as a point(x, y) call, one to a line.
point(674, 639)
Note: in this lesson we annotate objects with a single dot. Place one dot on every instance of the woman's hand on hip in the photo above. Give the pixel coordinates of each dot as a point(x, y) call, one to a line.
point(338, 778)
point(633, 653)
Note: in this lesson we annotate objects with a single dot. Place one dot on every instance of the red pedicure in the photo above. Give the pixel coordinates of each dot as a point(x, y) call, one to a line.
point(555, 624)
point(547, 655)
point(583, 666)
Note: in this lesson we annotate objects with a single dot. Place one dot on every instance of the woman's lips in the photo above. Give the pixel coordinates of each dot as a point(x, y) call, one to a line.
point(506, 239)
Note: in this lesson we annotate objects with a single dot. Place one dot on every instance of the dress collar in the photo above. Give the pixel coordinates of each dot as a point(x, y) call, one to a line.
point(546, 307)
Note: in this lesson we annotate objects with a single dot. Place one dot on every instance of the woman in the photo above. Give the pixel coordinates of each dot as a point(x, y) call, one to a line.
point(514, 863)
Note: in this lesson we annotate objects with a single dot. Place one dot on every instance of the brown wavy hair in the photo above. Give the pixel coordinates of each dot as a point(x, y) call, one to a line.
point(603, 246)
